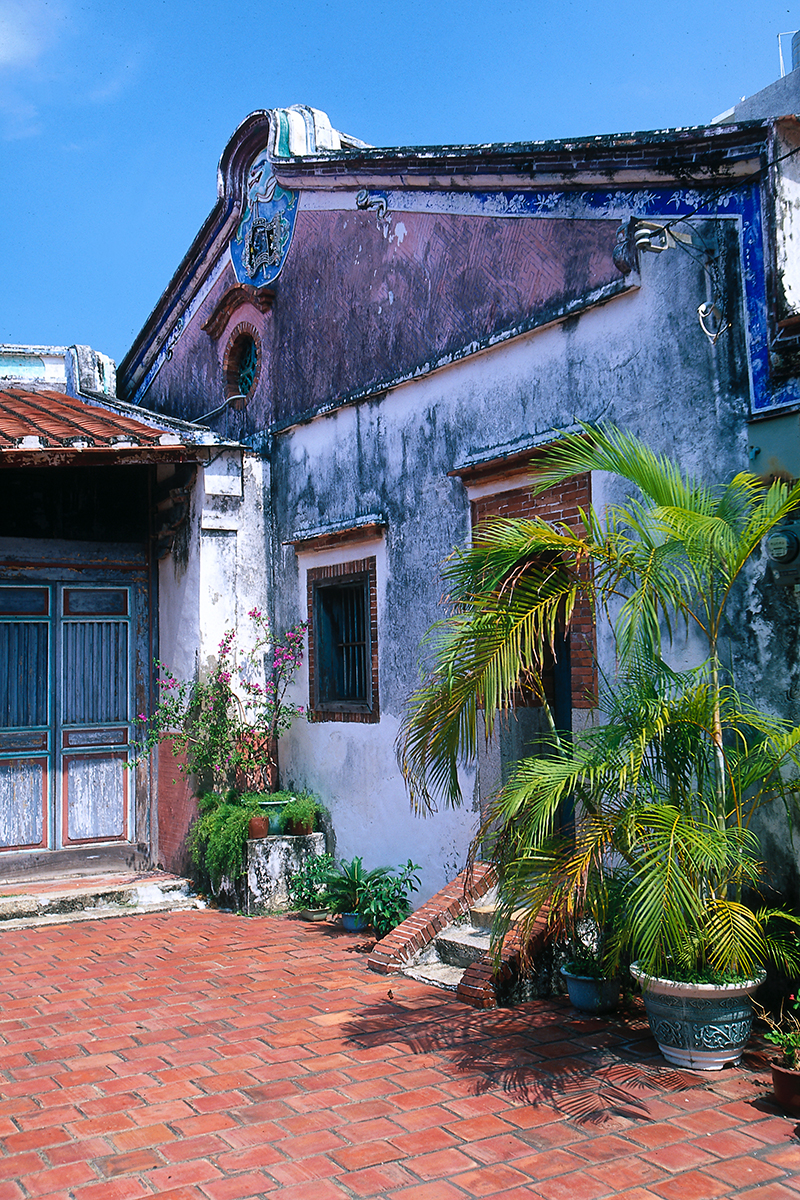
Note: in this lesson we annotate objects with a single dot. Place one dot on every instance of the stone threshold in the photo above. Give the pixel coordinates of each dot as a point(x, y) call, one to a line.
point(64, 898)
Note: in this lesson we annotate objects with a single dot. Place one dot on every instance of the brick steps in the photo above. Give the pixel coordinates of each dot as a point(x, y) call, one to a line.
point(413, 947)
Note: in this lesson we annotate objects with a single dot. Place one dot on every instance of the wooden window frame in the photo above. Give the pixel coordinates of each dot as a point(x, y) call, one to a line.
point(358, 571)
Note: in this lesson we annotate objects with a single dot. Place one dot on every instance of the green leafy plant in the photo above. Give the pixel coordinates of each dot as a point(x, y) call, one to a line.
point(594, 943)
point(669, 783)
point(301, 809)
point(385, 901)
point(307, 887)
point(348, 885)
point(784, 1031)
point(218, 838)
point(223, 731)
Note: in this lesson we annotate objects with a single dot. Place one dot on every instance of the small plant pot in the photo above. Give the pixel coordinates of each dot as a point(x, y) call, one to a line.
point(258, 827)
point(786, 1086)
point(314, 914)
point(299, 828)
point(354, 922)
point(589, 994)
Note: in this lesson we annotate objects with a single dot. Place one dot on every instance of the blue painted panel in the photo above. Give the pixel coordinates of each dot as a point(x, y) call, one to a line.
point(24, 673)
point(261, 242)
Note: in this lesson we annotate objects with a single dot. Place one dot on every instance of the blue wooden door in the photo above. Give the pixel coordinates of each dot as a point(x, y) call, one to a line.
point(65, 713)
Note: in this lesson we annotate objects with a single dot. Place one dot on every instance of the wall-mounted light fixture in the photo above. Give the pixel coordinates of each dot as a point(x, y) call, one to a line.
point(654, 237)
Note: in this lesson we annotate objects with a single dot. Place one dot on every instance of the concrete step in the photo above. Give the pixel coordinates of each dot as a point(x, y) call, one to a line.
point(443, 962)
point(55, 901)
point(437, 974)
point(461, 945)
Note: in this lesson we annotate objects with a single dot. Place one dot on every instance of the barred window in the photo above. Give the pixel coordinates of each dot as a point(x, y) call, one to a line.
point(343, 667)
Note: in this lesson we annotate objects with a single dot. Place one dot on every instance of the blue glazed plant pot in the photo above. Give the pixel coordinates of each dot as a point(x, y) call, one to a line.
point(354, 922)
point(591, 995)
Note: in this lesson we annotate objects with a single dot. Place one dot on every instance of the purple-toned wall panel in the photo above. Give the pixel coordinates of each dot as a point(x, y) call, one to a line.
point(361, 302)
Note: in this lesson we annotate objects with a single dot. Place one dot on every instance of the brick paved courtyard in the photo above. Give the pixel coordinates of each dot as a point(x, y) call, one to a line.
point(206, 1056)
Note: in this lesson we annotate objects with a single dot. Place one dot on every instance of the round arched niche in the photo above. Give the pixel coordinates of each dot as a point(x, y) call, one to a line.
point(242, 360)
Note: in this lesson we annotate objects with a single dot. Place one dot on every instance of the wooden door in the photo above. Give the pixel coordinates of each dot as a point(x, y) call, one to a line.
point(65, 714)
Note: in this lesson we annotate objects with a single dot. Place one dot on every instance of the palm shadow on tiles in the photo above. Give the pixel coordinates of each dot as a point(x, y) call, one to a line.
point(591, 1070)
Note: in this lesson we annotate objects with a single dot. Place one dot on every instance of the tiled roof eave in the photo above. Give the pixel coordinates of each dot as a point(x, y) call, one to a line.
point(97, 456)
point(48, 428)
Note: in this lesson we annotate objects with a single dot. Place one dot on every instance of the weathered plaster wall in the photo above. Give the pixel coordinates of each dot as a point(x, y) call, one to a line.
point(640, 360)
point(353, 766)
point(215, 575)
point(222, 573)
point(400, 292)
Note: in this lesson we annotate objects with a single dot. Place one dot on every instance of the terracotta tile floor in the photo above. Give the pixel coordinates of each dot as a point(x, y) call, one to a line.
point(205, 1056)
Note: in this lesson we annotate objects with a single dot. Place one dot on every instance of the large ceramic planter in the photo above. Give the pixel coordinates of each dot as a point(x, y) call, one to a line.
point(589, 994)
point(786, 1086)
point(703, 1026)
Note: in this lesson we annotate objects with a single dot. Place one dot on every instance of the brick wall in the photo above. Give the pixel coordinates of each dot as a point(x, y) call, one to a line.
point(177, 808)
point(559, 505)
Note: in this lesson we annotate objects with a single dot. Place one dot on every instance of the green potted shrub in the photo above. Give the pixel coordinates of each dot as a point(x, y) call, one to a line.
point(218, 841)
point(299, 814)
point(669, 784)
point(594, 950)
point(386, 902)
point(348, 888)
point(307, 888)
point(379, 897)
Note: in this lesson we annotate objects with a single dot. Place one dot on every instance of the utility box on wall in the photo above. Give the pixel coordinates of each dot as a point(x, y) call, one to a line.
point(774, 452)
point(773, 447)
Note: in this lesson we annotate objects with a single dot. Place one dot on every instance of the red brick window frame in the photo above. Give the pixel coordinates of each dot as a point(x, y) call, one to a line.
point(343, 642)
point(560, 505)
point(239, 337)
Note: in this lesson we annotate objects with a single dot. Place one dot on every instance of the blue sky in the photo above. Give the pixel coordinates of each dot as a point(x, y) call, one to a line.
point(113, 115)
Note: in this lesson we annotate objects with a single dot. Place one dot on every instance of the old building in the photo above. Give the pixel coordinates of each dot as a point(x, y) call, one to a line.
point(84, 518)
point(398, 331)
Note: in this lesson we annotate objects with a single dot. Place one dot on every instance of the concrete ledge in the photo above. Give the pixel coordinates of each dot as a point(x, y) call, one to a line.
point(271, 861)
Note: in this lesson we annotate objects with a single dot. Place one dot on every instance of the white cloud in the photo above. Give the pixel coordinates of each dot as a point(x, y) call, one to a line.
point(26, 30)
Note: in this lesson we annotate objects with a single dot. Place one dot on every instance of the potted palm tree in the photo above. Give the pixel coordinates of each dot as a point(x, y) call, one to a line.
point(669, 781)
